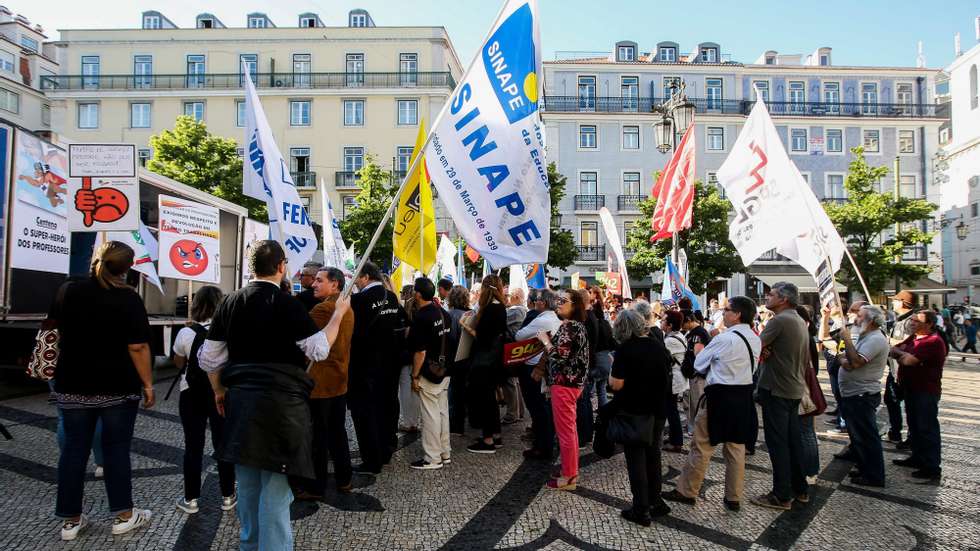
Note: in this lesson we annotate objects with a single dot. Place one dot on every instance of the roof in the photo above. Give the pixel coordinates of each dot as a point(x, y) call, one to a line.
point(926, 286)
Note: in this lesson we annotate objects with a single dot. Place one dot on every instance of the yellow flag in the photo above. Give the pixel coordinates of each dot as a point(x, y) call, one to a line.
point(415, 224)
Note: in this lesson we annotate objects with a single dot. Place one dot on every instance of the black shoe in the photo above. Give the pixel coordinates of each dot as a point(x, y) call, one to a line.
point(831, 422)
point(846, 455)
point(733, 505)
point(633, 516)
point(537, 455)
point(674, 495)
point(928, 474)
point(907, 462)
point(498, 443)
point(833, 413)
point(862, 481)
point(481, 447)
point(904, 445)
point(659, 510)
point(855, 473)
point(895, 439)
point(366, 469)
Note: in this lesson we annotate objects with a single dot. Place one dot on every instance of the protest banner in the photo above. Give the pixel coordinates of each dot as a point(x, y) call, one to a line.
point(189, 240)
point(252, 231)
point(521, 351)
point(39, 235)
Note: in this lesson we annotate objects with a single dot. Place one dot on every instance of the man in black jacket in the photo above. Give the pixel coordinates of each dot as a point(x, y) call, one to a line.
point(256, 355)
point(372, 393)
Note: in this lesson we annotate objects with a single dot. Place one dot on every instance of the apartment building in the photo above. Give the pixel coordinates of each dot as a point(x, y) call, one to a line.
point(333, 95)
point(25, 59)
point(599, 120)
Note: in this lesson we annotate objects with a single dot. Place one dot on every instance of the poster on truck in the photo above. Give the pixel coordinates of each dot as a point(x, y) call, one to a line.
point(103, 190)
point(39, 239)
point(4, 157)
point(189, 239)
point(253, 231)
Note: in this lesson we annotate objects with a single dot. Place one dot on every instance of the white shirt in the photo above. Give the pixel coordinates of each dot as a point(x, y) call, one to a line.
point(182, 347)
point(545, 321)
point(726, 360)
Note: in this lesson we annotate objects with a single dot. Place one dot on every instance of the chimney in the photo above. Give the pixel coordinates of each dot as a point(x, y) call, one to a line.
point(920, 59)
point(956, 45)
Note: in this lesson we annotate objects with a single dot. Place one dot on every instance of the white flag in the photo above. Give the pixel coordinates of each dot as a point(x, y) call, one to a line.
point(446, 258)
point(612, 237)
point(518, 279)
point(774, 206)
point(145, 246)
point(266, 178)
point(486, 155)
point(334, 249)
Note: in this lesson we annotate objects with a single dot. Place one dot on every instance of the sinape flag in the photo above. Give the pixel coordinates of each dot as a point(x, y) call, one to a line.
point(486, 155)
point(414, 235)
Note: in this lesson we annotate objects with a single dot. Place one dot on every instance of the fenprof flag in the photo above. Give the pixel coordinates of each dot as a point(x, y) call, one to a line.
point(486, 155)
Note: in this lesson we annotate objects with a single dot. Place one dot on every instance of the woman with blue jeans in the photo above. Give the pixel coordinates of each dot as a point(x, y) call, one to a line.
point(103, 371)
point(96, 438)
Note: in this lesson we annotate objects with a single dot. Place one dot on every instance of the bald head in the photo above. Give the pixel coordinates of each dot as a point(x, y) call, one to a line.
point(856, 306)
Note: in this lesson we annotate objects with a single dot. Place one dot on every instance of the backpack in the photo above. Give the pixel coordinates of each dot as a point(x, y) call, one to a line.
point(687, 366)
point(197, 379)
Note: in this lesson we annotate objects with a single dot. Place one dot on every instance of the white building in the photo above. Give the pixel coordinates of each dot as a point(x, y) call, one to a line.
point(24, 60)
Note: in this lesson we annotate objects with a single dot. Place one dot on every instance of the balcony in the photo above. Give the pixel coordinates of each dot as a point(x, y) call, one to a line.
point(628, 104)
point(915, 254)
point(347, 179)
point(629, 202)
point(591, 253)
point(590, 202)
point(224, 81)
point(304, 179)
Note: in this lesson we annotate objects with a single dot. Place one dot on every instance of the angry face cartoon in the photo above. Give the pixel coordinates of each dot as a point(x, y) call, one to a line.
point(189, 257)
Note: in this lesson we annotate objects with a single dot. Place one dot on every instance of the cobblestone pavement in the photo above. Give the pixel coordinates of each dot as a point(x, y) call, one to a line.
point(498, 502)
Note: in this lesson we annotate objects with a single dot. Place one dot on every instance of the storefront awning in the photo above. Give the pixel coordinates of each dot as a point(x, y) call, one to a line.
point(804, 282)
point(925, 286)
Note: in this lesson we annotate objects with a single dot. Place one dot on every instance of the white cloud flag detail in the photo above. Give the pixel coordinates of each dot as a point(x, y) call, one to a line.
point(774, 206)
point(612, 237)
point(486, 154)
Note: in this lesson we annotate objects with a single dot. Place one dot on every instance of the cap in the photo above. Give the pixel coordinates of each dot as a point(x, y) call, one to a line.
point(907, 297)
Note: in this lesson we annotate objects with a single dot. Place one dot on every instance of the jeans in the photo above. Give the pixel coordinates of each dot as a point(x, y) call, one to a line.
point(408, 401)
point(811, 448)
point(781, 425)
point(263, 510)
point(329, 444)
point(458, 397)
point(197, 410)
point(563, 405)
point(117, 435)
point(434, 405)
point(539, 408)
point(862, 427)
point(893, 401)
point(970, 346)
point(645, 472)
point(96, 440)
point(676, 436)
point(584, 418)
point(923, 412)
point(600, 375)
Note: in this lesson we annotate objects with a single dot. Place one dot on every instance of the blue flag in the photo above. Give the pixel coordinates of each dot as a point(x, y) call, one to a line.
point(535, 276)
point(675, 287)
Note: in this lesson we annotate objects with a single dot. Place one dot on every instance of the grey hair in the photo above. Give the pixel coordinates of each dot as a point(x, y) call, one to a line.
point(643, 308)
point(629, 324)
point(874, 314)
point(788, 291)
point(549, 298)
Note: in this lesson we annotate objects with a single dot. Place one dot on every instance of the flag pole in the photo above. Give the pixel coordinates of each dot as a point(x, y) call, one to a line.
point(417, 161)
point(864, 285)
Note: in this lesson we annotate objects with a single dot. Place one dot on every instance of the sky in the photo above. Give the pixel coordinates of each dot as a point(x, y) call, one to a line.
point(861, 32)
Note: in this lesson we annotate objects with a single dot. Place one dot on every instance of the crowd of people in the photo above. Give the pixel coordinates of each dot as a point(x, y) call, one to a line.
point(274, 376)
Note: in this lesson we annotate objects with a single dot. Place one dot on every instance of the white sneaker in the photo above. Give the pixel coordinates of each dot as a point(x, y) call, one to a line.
point(99, 471)
point(229, 503)
point(446, 460)
point(423, 465)
point(188, 506)
point(70, 529)
point(140, 518)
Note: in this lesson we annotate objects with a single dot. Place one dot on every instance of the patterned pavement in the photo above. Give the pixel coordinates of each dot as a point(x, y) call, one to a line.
point(498, 502)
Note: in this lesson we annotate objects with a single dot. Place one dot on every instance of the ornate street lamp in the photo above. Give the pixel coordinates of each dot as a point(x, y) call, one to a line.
point(683, 116)
point(664, 131)
point(962, 230)
point(676, 115)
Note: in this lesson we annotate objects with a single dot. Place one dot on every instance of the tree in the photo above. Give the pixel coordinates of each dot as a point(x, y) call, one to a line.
point(710, 254)
point(562, 250)
point(866, 216)
point(193, 156)
point(377, 193)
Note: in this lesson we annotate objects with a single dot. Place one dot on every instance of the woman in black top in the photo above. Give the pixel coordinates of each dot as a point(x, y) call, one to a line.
point(641, 380)
point(103, 371)
point(486, 368)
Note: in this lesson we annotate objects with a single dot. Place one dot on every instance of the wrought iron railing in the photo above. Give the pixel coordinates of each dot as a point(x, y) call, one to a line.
point(434, 79)
point(834, 200)
point(589, 202)
point(915, 254)
point(591, 253)
point(629, 202)
point(304, 179)
point(347, 179)
point(633, 104)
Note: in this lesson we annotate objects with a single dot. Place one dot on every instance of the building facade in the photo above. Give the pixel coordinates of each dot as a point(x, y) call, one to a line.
point(333, 95)
point(600, 132)
point(25, 60)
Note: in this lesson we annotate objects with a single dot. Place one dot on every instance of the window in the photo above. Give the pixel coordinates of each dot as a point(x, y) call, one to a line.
point(824, 60)
point(256, 22)
point(353, 159)
point(668, 54)
point(7, 61)
point(151, 22)
point(195, 71)
point(240, 113)
point(299, 160)
point(631, 137)
point(974, 88)
point(588, 183)
point(798, 140)
point(974, 210)
point(205, 23)
point(586, 93)
point(355, 69)
point(144, 156)
point(589, 234)
point(671, 84)
point(143, 71)
point(629, 89)
point(194, 109)
point(770, 60)
point(302, 63)
point(908, 187)
point(403, 158)
point(90, 71)
point(353, 112)
point(760, 87)
point(831, 96)
point(712, 179)
point(835, 186)
point(349, 203)
point(587, 136)
point(797, 96)
point(631, 183)
point(835, 140)
point(626, 53)
point(714, 95)
point(88, 115)
point(869, 98)
point(299, 112)
point(975, 269)
point(943, 136)
point(408, 111)
point(358, 20)
point(716, 138)
point(139, 115)
point(903, 97)
point(240, 151)
point(906, 141)
point(408, 69)
point(251, 61)
point(709, 55)
point(871, 140)
point(29, 43)
point(307, 22)
point(45, 114)
point(9, 101)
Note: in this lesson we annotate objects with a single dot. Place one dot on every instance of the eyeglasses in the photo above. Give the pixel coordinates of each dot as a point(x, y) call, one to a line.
point(562, 300)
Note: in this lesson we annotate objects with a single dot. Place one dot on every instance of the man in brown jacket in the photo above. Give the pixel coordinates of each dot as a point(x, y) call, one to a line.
point(328, 401)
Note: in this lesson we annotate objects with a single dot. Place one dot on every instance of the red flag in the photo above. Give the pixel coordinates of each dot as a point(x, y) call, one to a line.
point(472, 254)
point(674, 190)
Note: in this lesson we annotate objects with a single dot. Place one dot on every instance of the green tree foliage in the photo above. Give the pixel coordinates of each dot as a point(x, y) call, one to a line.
point(193, 156)
point(562, 250)
point(377, 193)
point(710, 254)
point(865, 218)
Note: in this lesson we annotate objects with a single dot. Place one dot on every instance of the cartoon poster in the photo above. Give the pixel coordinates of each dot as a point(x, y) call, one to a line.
point(252, 231)
point(40, 239)
point(103, 191)
point(189, 240)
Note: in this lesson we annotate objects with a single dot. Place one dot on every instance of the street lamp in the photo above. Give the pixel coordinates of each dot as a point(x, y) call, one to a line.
point(962, 231)
point(664, 131)
point(676, 115)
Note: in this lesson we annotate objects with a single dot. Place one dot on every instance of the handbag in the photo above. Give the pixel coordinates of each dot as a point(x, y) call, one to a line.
point(44, 358)
point(813, 402)
point(631, 430)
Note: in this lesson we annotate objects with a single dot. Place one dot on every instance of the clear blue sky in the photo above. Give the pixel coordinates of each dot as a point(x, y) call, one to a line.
point(861, 32)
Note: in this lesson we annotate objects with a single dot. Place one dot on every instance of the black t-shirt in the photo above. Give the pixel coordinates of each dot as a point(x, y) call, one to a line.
point(428, 327)
point(96, 327)
point(641, 363)
point(261, 324)
point(698, 335)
